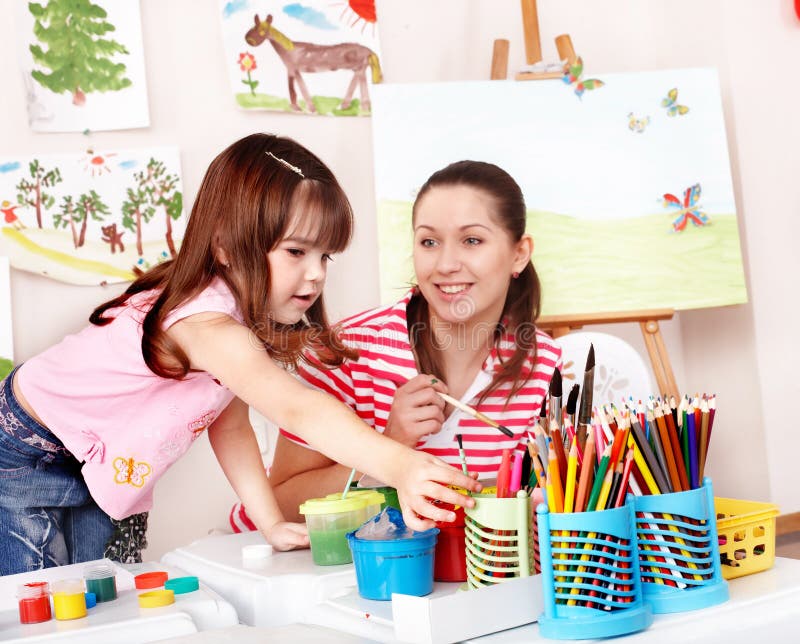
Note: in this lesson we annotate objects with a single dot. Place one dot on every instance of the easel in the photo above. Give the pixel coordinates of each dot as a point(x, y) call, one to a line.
point(563, 324)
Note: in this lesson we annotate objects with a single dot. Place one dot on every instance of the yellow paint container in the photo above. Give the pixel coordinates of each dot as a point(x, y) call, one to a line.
point(69, 602)
point(156, 598)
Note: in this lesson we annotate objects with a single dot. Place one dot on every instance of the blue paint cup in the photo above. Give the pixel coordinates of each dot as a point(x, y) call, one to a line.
point(386, 566)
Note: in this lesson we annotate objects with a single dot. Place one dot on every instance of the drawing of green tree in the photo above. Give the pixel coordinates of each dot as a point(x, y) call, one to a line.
point(90, 205)
point(31, 193)
point(162, 192)
point(66, 217)
point(136, 210)
point(79, 56)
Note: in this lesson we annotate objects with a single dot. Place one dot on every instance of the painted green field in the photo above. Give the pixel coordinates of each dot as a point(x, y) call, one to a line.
point(597, 266)
point(325, 105)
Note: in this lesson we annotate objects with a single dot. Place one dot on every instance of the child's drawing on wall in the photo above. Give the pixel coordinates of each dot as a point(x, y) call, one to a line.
point(83, 65)
point(91, 218)
point(317, 57)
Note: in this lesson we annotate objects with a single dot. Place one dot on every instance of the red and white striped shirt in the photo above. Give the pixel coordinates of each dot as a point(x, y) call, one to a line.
point(382, 334)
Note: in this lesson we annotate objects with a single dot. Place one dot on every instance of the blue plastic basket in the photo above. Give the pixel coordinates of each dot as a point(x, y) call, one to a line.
point(679, 551)
point(590, 577)
point(391, 566)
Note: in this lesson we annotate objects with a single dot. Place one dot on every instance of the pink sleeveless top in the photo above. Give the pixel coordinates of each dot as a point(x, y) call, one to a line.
point(127, 425)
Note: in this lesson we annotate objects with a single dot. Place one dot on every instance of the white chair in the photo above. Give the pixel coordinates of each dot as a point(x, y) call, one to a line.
point(620, 371)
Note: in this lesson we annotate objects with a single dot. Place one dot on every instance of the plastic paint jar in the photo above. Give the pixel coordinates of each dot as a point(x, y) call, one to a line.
point(148, 580)
point(386, 566)
point(328, 521)
point(156, 598)
point(34, 602)
point(450, 562)
point(375, 499)
point(69, 601)
point(101, 580)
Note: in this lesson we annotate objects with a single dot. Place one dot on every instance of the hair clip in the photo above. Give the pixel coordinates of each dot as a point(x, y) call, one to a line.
point(294, 168)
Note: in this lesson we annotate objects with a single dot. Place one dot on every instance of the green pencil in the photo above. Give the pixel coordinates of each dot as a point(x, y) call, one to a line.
point(598, 479)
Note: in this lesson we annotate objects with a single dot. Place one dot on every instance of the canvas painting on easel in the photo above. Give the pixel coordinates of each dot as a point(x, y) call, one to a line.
point(316, 57)
point(627, 184)
point(6, 343)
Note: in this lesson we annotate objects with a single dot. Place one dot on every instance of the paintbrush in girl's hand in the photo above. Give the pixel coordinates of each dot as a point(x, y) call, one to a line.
point(585, 414)
point(453, 401)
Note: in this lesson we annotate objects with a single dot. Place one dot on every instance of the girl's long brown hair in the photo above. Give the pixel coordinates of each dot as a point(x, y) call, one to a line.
point(523, 301)
point(245, 206)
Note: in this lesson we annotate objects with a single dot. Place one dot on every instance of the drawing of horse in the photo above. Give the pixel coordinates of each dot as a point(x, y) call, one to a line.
point(307, 57)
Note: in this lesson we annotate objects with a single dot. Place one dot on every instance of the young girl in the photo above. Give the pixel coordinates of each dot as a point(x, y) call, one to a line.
point(467, 329)
point(92, 423)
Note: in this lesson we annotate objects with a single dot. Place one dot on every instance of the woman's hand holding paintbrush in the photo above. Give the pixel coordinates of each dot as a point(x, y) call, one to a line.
point(391, 369)
point(417, 410)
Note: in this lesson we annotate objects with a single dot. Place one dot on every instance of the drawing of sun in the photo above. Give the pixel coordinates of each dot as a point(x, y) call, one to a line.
point(96, 164)
point(356, 11)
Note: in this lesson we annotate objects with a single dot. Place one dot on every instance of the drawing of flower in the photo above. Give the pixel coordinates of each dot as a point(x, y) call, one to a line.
point(247, 63)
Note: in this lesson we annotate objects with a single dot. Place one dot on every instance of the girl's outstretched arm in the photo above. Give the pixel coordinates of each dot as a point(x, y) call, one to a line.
point(224, 348)
point(235, 446)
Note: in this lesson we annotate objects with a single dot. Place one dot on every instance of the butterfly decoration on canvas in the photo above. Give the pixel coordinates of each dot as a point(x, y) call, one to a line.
point(637, 124)
point(671, 103)
point(572, 77)
point(129, 471)
point(688, 208)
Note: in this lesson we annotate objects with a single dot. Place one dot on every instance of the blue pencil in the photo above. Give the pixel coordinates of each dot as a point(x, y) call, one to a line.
point(692, 435)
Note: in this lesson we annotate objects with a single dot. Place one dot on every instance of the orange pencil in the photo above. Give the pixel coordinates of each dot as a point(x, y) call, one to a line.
point(587, 473)
point(666, 446)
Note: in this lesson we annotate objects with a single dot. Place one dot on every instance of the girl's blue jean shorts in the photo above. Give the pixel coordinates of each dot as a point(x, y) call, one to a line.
point(47, 516)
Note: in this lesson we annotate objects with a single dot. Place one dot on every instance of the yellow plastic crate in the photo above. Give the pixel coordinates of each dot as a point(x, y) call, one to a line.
point(746, 531)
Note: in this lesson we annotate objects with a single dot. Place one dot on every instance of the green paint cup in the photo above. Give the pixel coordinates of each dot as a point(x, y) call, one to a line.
point(375, 500)
point(328, 521)
point(101, 580)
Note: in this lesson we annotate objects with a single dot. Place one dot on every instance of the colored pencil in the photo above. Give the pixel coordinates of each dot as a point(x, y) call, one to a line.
point(587, 474)
point(572, 470)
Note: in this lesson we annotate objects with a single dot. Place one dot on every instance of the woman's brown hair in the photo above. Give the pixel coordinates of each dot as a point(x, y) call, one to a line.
point(245, 206)
point(523, 301)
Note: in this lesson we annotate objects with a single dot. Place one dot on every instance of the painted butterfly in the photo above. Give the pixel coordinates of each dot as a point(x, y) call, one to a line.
point(637, 125)
point(689, 210)
point(673, 109)
point(573, 78)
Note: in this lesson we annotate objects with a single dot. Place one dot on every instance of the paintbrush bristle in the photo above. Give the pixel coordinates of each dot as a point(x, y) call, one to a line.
point(590, 358)
point(459, 438)
point(555, 384)
point(572, 399)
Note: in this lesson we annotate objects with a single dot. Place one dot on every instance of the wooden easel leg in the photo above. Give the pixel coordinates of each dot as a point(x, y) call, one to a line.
point(500, 60)
point(530, 27)
point(659, 358)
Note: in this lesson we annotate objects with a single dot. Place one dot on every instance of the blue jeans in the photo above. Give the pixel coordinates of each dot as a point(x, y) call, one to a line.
point(47, 516)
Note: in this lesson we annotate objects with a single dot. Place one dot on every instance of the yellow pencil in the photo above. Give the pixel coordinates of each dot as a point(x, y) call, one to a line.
point(572, 471)
point(605, 489)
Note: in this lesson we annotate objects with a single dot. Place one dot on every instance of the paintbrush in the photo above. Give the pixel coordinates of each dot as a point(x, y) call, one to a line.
point(462, 455)
point(453, 401)
point(572, 403)
point(555, 398)
point(585, 414)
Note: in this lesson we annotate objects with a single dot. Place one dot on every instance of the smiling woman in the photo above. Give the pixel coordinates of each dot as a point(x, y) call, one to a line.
point(467, 329)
